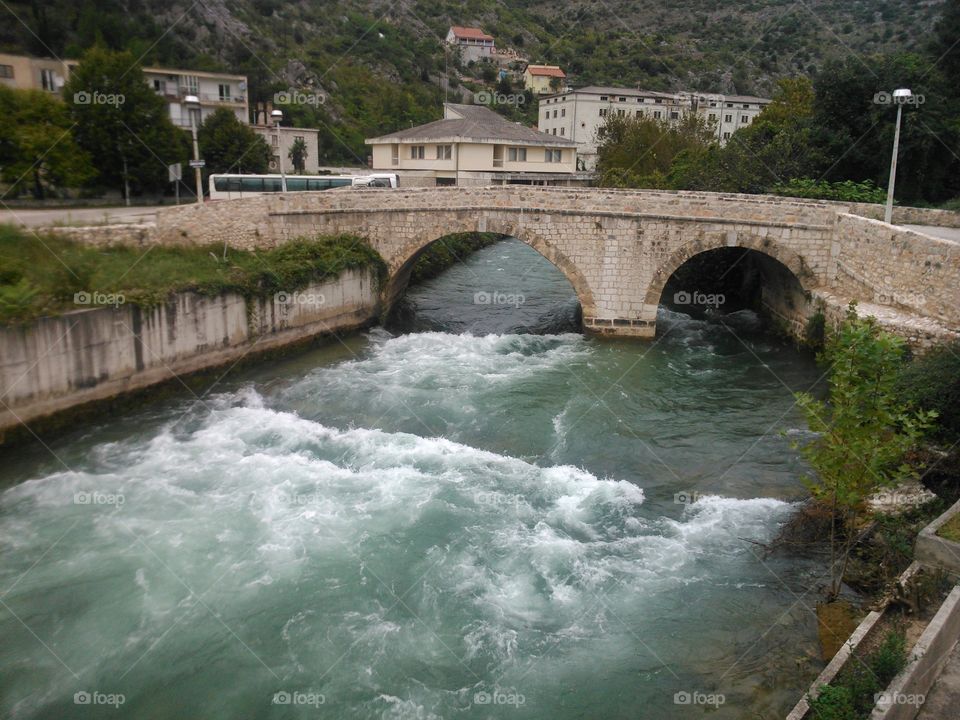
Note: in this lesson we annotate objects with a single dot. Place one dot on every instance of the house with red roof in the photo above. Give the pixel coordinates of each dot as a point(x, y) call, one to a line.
point(474, 44)
point(544, 78)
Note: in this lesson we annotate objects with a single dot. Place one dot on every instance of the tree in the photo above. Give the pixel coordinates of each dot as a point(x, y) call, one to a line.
point(37, 147)
point(122, 123)
point(229, 146)
point(298, 155)
point(863, 432)
point(639, 151)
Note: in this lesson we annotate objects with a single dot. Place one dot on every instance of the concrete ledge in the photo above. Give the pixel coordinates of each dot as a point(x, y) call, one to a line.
point(938, 553)
point(899, 701)
point(801, 709)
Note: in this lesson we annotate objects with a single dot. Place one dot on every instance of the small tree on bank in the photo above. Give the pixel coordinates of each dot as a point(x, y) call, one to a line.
point(863, 431)
point(298, 155)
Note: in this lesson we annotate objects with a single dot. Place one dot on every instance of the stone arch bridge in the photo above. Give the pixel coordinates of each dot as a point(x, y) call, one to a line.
point(618, 248)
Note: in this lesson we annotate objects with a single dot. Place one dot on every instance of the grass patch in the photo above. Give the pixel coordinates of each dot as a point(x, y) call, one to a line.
point(851, 694)
point(950, 530)
point(42, 275)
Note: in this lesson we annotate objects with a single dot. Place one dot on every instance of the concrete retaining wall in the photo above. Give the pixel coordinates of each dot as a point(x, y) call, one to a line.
point(936, 552)
point(900, 700)
point(90, 355)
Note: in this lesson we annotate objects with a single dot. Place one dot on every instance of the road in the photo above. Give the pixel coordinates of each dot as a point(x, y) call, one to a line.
point(940, 232)
point(79, 216)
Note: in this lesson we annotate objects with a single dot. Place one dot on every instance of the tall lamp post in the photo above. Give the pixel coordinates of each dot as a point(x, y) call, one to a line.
point(277, 116)
point(193, 108)
point(899, 97)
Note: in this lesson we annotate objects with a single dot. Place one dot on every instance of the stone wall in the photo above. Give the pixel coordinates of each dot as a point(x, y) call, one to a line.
point(89, 355)
point(617, 247)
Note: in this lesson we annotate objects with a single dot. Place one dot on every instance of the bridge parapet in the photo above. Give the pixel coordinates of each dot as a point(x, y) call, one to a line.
point(617, 247)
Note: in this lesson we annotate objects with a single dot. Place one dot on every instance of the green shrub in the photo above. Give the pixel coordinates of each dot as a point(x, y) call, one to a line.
point(834, 703)
point(932, 382)
point(846, 191)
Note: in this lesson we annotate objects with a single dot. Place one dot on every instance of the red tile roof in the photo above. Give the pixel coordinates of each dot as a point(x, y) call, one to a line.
point(547, 70)
point(469, 33)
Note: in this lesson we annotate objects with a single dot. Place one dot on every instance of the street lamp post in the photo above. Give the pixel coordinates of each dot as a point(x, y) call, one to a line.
point(193, 103)
point(899, 97)
point(277, 116)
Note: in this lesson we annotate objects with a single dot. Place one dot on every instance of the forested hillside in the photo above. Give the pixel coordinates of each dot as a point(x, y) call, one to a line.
point(382, 65)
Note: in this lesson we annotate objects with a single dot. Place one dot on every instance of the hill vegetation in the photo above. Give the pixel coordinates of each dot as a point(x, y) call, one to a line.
point(382, 66)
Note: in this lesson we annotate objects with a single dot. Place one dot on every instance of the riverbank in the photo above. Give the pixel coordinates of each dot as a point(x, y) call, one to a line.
point(82, 327)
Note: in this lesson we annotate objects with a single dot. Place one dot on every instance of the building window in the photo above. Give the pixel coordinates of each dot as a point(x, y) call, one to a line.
point(498, 156)
point(553, 156)
point(416, 152)
point(519, 154)
point(554, 131)
point(6, 71)
point(46, 80)
point(224, 92)
point(674, 116)
point(160, 86)
point(658, 100)
point(563, 131)
point(603, 112)
point(191, 84)
point(554, 112)
point(713, 117)
point(728, 118)
point(394, 154)
point(726, 136)
point(563, 112)
point(622, 99)
point(621, 113)
point(745, 119)
point(603, 98)
point(444, 152)
point(657, 114)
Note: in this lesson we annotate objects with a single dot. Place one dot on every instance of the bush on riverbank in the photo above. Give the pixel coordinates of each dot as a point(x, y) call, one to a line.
point(448, 250)
point(932, 382)
point(48, 275)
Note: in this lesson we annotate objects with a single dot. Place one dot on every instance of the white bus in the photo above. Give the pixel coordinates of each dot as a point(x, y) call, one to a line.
point(230, 187)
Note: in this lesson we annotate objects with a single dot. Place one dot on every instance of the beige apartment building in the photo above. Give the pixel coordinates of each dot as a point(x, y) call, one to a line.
point(214, 90)
point(473, 145)
point(578, 114)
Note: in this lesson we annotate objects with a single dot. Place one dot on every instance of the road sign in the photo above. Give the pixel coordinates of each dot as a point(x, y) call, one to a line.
point(197, 163)
point(174, 172)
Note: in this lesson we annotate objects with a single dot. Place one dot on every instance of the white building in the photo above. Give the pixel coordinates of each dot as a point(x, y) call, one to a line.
point(578, 114)
point(281, 142)
point(214, 90)
point(473, 145)
point(474, 44)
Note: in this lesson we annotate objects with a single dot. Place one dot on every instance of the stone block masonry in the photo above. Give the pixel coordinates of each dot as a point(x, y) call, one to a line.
point(618, 248)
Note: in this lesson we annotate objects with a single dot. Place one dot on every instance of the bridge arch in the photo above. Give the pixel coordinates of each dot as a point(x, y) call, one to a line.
point(402, 262)
point(764, 245)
